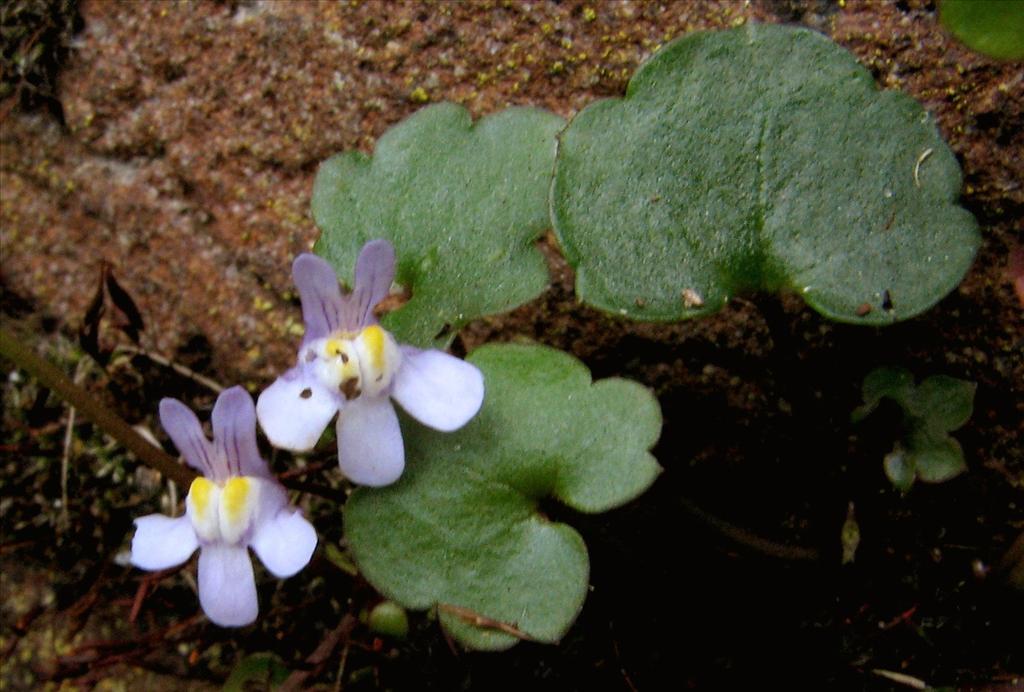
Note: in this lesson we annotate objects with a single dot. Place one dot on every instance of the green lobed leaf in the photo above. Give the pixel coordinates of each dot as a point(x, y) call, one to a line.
point(759, 158)
point(895, 383)
point(931, 409)
point(936, 457)
point(943, 403)
point(461, 202)
point(992, 27)
point(462, 531)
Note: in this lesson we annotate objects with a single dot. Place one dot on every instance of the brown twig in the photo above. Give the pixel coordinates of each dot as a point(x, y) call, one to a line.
point(622, 668)
point(11, 547)
point(21, 627)
point(140, 597)
point(902, 618)
point(15, 98)
point(10, 102)
point(311, 468)
point(182, 370)
point(97, 655)
point(341, 667)
point(146, 585)
point(78, 610)
point(160, 635)
point(477, 620)
point(314, 489)
point(317, 659)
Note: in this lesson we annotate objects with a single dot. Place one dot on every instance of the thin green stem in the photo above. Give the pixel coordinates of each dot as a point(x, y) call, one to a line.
point(112, 424)
point(783, 551)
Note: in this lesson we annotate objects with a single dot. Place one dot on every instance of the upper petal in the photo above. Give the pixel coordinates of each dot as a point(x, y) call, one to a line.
point(161, 542)
point(295, 409)
point(438, 389)
point(370, 449)
point(234, 433)
point(227, 587)
point(375, 271)
point(320, 294)
point(284, 542)
point(188, 436)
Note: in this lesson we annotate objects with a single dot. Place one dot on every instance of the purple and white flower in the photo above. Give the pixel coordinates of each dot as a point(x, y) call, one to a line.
point(349, 365)
point(234, 505)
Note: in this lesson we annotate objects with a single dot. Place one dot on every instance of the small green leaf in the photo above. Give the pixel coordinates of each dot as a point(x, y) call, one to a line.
point(264, 669)
point(895, 383)
point(760, 158)
point(944, 403)
point(461, 203)
point(899, 469)
point(936, 457)
point(992, 27)
point(462, 530)
point(930, 410)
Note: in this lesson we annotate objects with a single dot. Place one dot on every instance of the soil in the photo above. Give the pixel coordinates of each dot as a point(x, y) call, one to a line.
point(179, 146)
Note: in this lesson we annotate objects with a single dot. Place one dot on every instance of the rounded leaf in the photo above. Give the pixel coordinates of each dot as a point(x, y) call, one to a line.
point(461, 202)
point(944, 403)
point(899, 468)
point(992, 27)
point(759, 158)
point(936, 458)
point(461, 530)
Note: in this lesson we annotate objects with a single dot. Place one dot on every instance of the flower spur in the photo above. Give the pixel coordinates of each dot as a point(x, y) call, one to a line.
point(348, 364)
point(236, 503)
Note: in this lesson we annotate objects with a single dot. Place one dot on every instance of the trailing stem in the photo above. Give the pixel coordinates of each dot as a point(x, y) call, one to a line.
point(112, 424)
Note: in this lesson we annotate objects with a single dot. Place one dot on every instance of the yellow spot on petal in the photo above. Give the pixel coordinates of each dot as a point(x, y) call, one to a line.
point(201, 491)
point(333, 347)
point(235, 498)
point(202, 503)
point(373, 338)
point(238, 501)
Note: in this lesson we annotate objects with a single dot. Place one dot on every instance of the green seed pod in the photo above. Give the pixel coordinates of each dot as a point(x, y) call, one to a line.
point(389, 619)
